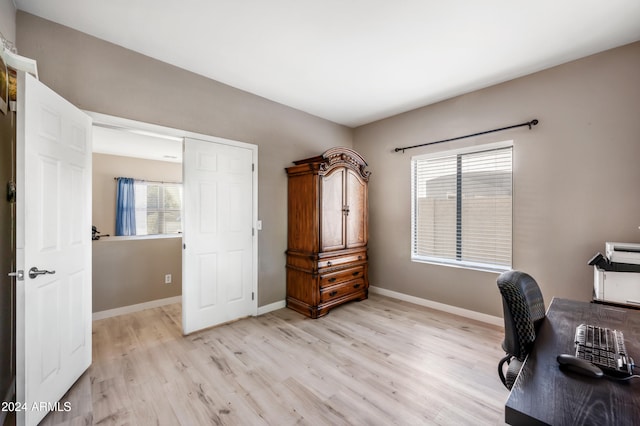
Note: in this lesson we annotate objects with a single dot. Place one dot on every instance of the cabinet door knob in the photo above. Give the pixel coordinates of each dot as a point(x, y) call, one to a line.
point(328, 263)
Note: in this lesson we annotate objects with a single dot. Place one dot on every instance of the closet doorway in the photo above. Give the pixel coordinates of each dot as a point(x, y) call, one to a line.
point(218, 240)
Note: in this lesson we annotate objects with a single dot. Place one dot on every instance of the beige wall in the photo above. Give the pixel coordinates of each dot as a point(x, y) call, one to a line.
point(128, 272)
point(576, 177)
point(105, 78)
point(106, 167)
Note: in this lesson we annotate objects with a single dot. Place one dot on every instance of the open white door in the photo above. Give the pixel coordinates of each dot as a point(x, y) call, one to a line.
point(53, 312)
point(219, 255)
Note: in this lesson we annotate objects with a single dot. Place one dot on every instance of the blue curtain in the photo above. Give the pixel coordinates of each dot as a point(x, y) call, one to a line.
point(125, 207)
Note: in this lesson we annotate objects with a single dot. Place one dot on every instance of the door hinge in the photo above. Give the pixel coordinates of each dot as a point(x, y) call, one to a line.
point(252, 295)
point(184, 246)
point(253, 167)
point(253, 232)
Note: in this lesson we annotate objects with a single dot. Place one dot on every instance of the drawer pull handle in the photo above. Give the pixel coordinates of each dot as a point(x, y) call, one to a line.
point(328, 263)
point(332, 280)
point(356, 286)
point(333, 293)
point(355, 274)
point(359, 257)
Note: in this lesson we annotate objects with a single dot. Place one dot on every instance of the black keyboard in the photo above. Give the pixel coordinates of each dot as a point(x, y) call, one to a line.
point(604, 348)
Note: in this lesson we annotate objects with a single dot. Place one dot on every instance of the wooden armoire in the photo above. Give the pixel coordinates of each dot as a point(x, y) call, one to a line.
point(327, 232)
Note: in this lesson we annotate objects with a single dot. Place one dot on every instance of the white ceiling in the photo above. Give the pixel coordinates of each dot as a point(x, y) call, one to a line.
point(354, 61)
point(136, 143)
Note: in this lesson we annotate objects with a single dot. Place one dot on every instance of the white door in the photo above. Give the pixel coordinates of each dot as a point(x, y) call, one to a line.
point(219, 252)
point(53, 222)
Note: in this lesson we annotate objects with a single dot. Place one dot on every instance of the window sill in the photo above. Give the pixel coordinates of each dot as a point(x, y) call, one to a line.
point(139, 237)
point(462, 265)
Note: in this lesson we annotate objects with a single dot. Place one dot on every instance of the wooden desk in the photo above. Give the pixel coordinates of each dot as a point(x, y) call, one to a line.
point(542, 394)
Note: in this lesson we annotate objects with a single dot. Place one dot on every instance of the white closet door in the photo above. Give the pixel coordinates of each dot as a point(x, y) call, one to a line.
point(219, 239)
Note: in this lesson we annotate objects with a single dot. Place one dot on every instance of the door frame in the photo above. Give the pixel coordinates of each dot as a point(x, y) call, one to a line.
point(154, 129)
point(8, 152)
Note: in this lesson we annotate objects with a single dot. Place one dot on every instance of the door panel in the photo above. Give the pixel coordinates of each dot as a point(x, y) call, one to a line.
point(208, 263)
point(356, 195)
point(218, 257)
point(53, 310)
point(235, 262)
point(332, 225)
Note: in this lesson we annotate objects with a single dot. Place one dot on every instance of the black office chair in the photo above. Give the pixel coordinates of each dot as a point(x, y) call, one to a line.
point(523, 308)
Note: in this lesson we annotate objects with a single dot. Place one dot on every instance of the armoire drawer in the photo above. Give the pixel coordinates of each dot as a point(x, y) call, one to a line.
point(341, 260)
point(334, 278)
point(337, 291)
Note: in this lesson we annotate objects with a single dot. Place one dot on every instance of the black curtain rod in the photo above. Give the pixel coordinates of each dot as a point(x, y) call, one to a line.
point(528, 123)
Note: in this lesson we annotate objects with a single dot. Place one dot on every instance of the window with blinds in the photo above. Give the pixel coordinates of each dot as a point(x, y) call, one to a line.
point(158, 208)
point(462, 207)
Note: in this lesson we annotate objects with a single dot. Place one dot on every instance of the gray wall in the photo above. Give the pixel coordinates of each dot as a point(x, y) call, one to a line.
point(8, 20)
point(102, 77)
point(128, 272)
point(575, 174)
point(576, 177)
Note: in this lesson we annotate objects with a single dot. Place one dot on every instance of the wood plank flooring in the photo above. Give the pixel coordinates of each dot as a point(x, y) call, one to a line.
point(376, 362)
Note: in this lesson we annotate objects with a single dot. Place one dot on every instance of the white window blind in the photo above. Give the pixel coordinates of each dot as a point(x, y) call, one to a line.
point(462, 208)
point(158, 207)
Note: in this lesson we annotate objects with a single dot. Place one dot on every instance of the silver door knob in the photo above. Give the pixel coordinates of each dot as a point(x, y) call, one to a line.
point(34, 272)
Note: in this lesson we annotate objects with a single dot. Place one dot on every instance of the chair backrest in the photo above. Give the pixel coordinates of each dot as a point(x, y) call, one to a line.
point(523, 308)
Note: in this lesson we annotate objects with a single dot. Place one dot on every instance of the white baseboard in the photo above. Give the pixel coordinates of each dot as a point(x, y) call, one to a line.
point(135, 308)
point(161, 302)
point(490, 319)
point(282, 303)
point(271, 307)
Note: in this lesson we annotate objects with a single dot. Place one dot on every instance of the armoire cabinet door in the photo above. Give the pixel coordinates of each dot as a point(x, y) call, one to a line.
point(332, 226)
point(344, 210)
point(356, 218)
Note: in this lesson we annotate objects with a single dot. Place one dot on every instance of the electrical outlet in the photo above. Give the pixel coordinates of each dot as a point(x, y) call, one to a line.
point(167, 279)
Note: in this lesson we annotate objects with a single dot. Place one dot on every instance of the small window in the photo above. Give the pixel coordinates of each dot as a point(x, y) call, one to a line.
point(462, 207)
point(158, 208)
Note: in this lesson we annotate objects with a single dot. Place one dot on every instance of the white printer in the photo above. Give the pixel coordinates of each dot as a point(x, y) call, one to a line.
point(623, 253)
point(616, 277)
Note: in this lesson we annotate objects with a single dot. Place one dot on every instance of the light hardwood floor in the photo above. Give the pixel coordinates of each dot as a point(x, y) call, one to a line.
point(376, 362)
